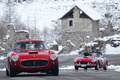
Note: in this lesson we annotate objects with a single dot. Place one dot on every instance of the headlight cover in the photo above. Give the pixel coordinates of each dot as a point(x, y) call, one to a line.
point(15, 58)
point(93, 60)
point(53, 57)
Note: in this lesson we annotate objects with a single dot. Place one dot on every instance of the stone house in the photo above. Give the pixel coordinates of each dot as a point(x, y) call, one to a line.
point(80, 24)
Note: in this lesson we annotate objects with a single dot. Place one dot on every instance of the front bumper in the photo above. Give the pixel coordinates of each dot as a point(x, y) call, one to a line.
point(85, 64)
point(31, 65)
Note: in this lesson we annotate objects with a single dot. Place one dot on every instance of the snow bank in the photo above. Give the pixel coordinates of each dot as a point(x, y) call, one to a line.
point(115, 68)
point(66, 67)
point(112, 50)
point(111, 67)
point(71, 53)
point(2, 57)
point(74, 52)
point(4, 69)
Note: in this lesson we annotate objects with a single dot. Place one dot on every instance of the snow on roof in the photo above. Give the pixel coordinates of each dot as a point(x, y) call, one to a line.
point(11, 25)
point(90, 12)
point(94, 15)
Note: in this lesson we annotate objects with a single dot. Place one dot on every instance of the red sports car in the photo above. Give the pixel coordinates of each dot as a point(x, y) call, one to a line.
point(91, 59)
point(31, 56)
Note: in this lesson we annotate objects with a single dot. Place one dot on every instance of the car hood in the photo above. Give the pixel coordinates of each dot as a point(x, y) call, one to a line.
point(34, 54)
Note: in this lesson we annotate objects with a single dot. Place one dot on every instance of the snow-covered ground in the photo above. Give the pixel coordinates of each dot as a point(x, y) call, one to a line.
point(112, 50)
point(3, 69)
point(110, 67)
point(2, 57)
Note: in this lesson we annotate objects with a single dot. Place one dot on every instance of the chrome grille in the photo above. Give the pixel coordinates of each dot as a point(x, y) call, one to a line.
point(34, 63)
point(83, 62)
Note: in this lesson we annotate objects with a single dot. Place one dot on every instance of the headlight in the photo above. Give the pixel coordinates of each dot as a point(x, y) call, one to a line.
point(15, 58)
point(93, 60)
point(53, 57)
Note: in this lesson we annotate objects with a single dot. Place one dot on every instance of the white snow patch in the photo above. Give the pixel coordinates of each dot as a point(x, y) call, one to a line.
point(90, 11)
point(67, 67)
point(116, 68)
point(71, 53)
point(112, 50)
point(4, 69)
point(115, 28)
point(71, 43)
point(111, 67)
point(74, 52)
point(90, 43)
point(2, 57)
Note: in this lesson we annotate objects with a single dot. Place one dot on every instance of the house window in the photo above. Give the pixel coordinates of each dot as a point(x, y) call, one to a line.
point(70, 23)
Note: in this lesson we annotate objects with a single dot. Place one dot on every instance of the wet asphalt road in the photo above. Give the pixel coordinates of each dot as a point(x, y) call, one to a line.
point(69, 74)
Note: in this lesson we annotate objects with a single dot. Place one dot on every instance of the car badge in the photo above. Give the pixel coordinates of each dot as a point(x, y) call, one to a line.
point(34, 56)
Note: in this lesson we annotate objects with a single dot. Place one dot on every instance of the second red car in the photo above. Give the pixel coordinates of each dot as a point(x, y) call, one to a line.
point(89, 60)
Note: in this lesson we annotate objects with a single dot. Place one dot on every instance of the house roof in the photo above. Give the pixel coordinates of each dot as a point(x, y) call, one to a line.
point(90, 12)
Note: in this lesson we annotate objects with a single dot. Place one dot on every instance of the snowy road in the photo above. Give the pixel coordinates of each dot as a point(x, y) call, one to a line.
point(67, 71)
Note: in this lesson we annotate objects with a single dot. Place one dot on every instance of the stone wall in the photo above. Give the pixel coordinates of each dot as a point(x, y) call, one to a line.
point(78, 32)
point(76, 37)
point(82, 26)
point(79, 24)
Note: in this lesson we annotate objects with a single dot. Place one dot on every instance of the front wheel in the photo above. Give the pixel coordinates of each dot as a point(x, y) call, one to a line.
point(11, 70)
point(97, 66)
point(7, 73)
point(106, 65)
point(55, 70)
point(76, 68)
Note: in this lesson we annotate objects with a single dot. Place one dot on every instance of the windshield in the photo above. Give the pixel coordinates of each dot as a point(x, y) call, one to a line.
point(93, 54)
point(32, 45)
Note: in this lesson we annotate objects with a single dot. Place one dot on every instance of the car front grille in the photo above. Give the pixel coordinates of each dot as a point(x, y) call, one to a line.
point(83, 62)
point(34, 63)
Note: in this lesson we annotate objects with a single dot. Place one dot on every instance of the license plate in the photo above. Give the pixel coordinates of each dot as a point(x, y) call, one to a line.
point(83, 65)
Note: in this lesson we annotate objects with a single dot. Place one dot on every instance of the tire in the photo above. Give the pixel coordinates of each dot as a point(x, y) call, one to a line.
point(11, 70)
point(55, 70)
point(97, 66)
point(106, 65)
point(7, 73)
point(76, 68)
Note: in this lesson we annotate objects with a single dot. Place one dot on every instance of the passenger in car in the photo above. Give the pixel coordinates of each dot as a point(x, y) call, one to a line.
point(23, 46)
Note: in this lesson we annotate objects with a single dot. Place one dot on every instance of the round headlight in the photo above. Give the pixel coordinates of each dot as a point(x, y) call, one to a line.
point(15, 58)
point(93, 60)
point(53, 57)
